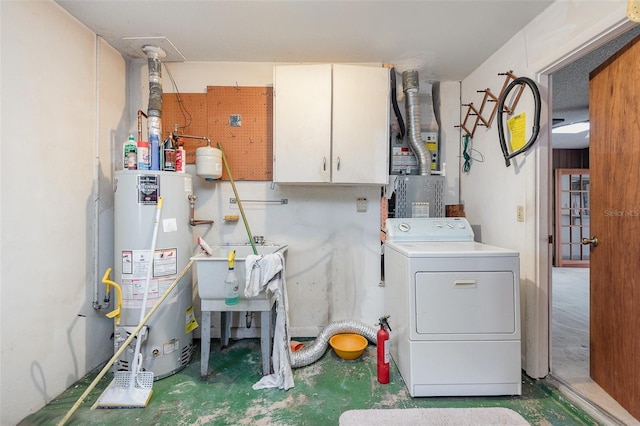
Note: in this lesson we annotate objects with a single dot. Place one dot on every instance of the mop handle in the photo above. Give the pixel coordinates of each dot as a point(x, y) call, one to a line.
point(136, 354)
point(124, 345)
point(154, 239)
point(235, 192)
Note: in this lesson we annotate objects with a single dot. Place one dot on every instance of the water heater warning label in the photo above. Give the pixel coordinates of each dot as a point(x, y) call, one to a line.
point(135, 263)
point(135, 269)
point(148, 189)
point(127, 262)
point(165, 262)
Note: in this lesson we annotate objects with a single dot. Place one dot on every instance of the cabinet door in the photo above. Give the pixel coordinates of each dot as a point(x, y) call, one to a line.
point(302, 124)
point(360, 150)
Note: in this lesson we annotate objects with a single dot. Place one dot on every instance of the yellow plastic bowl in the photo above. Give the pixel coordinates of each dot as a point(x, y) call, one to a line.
point(348, 346)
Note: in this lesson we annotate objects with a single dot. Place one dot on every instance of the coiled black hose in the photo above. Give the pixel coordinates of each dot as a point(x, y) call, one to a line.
point(394, 102)
point(536, 118)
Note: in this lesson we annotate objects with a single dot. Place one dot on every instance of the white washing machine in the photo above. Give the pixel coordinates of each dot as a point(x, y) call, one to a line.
point(454, 307)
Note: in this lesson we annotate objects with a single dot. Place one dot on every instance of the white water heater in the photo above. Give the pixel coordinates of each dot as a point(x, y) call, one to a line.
point(167, 341)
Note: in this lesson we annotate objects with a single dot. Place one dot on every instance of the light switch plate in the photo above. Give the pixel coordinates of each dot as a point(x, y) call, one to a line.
point(361, 204)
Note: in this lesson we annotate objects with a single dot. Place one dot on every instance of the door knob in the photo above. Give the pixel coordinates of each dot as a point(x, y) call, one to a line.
point(593, 241)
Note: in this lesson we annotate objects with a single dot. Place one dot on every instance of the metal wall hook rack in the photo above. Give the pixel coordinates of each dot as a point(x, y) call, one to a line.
point(280, 201)
point(488, 97)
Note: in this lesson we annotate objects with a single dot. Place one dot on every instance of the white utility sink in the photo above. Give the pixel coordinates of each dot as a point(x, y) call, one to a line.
point(213, 269)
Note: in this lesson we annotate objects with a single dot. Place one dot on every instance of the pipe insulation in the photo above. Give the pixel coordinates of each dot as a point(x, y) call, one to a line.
point(410, 86)
point(154, 109)
point(312, 353)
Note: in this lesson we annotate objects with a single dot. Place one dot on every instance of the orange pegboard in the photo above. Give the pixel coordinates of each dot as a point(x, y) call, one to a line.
point(241, 119)
point(189, 112)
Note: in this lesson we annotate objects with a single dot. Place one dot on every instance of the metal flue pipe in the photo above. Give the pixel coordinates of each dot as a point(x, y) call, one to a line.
point(154, 109)
point(410, 86)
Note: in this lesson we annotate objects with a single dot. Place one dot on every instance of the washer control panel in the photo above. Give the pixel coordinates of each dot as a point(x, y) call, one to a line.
point(428, 229)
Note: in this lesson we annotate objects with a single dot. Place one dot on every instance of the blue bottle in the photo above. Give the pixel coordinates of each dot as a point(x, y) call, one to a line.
point(155, 151)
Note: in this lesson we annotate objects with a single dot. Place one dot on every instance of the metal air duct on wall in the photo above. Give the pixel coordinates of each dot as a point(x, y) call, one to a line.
point(154, 110)
point(410, 86)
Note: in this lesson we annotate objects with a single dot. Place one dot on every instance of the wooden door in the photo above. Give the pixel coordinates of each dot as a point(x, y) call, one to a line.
point(614, 105)
point(572, 217)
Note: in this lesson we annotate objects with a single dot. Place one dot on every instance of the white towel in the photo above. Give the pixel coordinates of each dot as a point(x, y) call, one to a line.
point(267, 271)
point(260, 271)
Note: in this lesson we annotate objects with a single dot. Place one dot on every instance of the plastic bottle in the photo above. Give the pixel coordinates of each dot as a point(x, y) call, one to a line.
point(132, 160)
point(231, 283)
point(129, 154)
point(181, 159)
point(168, 156)
point(155, 151)
point(143, 156)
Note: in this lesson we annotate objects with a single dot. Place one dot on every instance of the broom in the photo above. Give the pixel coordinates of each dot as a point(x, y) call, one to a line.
point(133, 389)
point(115, 356)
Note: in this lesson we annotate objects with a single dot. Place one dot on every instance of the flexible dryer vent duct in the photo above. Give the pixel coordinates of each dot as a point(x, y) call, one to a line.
point(312, 353)
point(410, 85)
point(154, 111)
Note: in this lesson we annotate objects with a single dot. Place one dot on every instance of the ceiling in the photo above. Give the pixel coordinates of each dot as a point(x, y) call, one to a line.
point(444, 40)
point(570, 95)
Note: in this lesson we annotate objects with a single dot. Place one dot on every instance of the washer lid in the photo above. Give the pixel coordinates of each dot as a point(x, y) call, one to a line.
point(417, 249)
point(429, 229)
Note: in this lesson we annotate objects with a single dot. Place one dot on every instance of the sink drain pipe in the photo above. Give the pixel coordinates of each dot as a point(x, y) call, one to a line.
point(312, 353)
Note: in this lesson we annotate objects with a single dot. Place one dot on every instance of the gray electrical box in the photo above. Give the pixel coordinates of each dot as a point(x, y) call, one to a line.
point(419, 196)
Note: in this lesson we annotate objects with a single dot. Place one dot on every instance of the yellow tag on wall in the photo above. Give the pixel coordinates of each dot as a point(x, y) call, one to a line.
point(517, 125)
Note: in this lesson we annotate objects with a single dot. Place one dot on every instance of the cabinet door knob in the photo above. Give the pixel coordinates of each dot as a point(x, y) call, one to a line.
point(338, 166)
point(324, 163)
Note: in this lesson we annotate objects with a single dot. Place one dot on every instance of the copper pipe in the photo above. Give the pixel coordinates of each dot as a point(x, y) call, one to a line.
point(140, 114)
point(193, 221)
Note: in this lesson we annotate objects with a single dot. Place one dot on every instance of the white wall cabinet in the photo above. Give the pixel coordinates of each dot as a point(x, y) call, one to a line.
point(331, 124)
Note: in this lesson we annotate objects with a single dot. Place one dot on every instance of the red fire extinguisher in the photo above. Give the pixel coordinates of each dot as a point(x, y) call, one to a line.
point(383, 350)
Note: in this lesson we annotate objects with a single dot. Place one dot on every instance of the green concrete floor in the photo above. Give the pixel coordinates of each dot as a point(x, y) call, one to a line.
point(323, 390)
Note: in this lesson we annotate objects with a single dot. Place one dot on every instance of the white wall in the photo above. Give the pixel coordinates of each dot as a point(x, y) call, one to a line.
point(450, 139)
point(491, 191)
point(63, 100)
